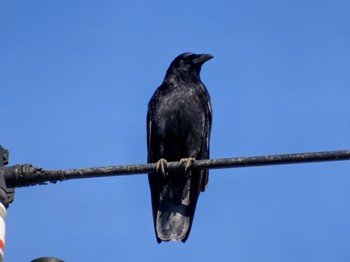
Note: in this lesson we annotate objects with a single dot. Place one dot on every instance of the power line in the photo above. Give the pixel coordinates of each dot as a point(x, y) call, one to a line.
point(28, 175)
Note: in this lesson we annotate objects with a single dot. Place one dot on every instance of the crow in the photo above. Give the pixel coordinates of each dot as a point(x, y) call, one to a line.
point(179, 120)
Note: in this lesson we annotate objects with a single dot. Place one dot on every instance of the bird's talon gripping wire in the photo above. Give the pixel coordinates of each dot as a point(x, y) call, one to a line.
point(188, 162)
point(161, 166)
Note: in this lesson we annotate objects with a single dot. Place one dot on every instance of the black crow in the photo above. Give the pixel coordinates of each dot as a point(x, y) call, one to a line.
point(178, 129)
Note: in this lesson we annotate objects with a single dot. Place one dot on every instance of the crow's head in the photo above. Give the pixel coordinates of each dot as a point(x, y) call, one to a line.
point(188, 63)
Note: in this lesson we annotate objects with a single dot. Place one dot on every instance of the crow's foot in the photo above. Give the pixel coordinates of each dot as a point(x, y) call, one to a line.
point(161, 166)
point(188, 162)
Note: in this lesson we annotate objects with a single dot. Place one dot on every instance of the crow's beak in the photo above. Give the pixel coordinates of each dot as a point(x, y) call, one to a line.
point(201, 59)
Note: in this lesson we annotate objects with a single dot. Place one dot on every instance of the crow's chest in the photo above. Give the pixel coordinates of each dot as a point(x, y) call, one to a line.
point(180, 113)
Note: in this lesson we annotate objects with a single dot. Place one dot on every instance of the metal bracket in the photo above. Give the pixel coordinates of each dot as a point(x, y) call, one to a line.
point(6, 194)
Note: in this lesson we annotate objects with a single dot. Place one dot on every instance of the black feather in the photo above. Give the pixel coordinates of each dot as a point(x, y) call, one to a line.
point(178, 126)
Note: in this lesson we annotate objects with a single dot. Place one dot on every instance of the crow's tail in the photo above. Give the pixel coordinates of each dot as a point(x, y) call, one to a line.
point(175, 213)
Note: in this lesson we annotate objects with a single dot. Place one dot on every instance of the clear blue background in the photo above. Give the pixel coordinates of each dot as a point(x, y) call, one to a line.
point(75, 80)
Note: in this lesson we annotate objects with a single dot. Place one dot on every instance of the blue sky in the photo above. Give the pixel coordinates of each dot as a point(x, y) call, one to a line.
point(76, 77)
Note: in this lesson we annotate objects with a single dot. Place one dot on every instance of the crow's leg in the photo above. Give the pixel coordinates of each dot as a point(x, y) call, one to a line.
point(188, 162)
point(161, 166)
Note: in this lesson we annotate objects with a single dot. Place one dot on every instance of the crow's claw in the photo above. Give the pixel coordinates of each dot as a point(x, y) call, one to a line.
point(161, 166)
point(188, 162)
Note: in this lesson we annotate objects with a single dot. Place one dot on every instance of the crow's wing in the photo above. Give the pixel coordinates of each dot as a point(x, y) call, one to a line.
point(153, 178)
point(205, 150)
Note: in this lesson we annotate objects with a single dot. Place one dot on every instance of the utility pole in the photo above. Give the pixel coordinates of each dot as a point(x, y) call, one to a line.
point(6, 197)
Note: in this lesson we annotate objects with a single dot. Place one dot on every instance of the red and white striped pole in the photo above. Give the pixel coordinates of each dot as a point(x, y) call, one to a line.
point(3, 214)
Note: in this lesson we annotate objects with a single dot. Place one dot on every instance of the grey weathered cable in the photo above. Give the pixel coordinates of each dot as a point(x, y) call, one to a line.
point(28, 175)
